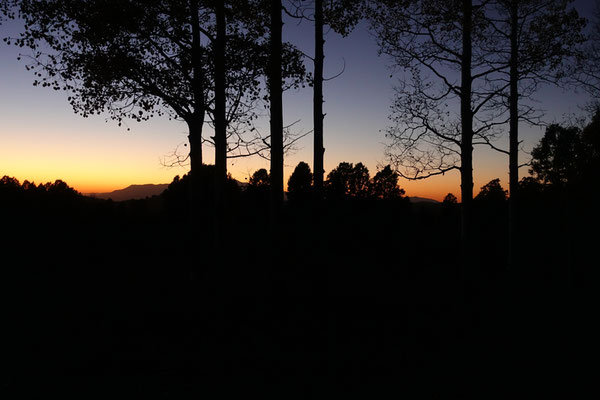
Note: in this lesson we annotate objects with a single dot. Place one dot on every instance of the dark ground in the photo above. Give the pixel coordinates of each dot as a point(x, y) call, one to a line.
point(110, 300)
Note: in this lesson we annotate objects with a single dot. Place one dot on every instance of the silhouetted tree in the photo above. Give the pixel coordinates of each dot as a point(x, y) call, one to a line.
point(443, 46)
point(341, 16)
point(337, 182)
point(450, 199)
point(348, 180)
point(536, 38)
point(359, 181)
point(569, 157)
point(260, 178)
point(492, 193)
point(9, 183)
point(274, 82)
point(556, 159)
point(384, 184)
point(318, 116)
point(450, 206)
point(300, 183)
point(259, 189)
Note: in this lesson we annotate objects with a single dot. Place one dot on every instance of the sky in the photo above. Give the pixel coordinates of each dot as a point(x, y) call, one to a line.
point(41, 139)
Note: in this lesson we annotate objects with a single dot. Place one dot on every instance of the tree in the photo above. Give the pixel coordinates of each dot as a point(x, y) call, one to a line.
point(342, 16)
point(492, 193)
point(536, 38)
point(318, 116)
point(259, 189)
point(348, 180)
point(274, 81)
point(449, 205)
point(443, 107)
point(358, 184)
point(557, 158)
point(260, 178)
point(569, 157)
point(384, 184)
point(300, 183)
point(450, 199)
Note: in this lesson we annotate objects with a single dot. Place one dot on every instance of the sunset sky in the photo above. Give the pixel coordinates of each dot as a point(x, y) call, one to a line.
point(41, 139)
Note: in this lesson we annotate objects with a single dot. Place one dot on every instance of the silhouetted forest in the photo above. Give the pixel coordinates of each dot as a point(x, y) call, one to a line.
point(341, 284)
point(117, 290)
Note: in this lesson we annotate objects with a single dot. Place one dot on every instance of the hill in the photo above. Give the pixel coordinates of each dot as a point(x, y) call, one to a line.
point(132, 192)
point(414, 199)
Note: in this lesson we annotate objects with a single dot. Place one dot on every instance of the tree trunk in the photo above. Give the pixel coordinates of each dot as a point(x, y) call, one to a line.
point(318, 102)
point(220, 123)
point(513, 164)
point(195, 124)
point(276, 103)
point(196, 120)
point(466, 116)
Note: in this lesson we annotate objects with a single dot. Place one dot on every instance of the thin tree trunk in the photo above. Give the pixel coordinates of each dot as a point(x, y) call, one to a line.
point(466, 115)
point(513, 167)
point(220, 123)
point(318, 102)
point(195, 124)
point(196, 120)
point(276, 103)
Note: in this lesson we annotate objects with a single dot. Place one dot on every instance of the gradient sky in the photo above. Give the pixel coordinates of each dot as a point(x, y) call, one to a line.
point(41, 139)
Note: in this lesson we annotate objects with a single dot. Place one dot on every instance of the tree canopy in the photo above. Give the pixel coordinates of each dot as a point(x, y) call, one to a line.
point(300, 183)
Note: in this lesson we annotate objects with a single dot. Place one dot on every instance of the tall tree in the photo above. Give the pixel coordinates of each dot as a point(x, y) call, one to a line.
point(220, 120)
point(342, 16)
point(318, 148)
point(536, 38)
point(443, 107)
point(276, 108)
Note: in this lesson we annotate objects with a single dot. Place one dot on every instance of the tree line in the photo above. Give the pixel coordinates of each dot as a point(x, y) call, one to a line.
point(468, 70)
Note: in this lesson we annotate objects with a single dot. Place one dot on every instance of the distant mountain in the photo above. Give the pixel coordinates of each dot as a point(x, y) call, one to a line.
point(132, 192)
point(415, 199)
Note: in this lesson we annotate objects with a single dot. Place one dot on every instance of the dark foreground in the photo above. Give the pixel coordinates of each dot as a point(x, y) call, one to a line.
point(124, 301)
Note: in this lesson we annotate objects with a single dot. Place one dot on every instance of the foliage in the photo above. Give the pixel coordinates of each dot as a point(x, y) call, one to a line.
point(348, 180)
point(492, 193)
point(57, 188)
point(300, 183)
point(556, 159)
point(260, 178)
point(384, 184)
point(567, 157)
point(45, 200)
point(450, 199)
point(343, 15)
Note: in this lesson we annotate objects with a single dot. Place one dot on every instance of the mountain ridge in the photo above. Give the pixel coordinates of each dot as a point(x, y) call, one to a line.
point(417, 199)
point(132, 192)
